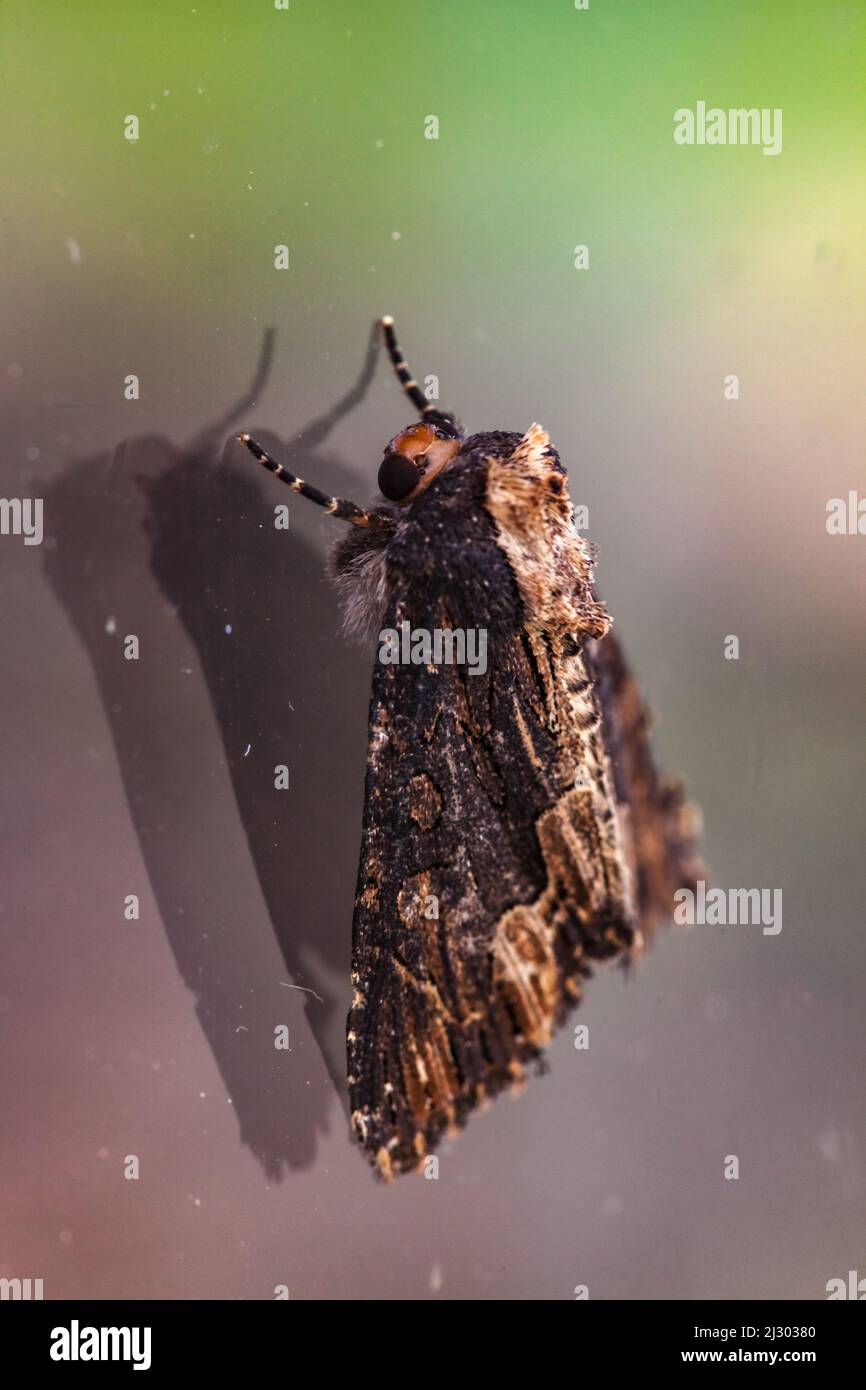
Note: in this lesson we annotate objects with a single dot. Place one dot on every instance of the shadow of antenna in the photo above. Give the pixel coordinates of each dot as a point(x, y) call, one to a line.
point(212, 435)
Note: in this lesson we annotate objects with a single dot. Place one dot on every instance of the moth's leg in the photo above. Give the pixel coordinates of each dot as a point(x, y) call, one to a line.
point(335, 506)
point(405, 377)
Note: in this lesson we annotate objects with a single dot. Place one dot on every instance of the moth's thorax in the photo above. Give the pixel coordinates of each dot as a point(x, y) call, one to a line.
point(456, 485)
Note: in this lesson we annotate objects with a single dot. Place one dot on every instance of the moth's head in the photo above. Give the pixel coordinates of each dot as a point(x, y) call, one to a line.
point(417, 455)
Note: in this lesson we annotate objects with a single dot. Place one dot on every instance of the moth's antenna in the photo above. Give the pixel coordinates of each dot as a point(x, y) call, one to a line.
point(336, 506)
point(405, 377)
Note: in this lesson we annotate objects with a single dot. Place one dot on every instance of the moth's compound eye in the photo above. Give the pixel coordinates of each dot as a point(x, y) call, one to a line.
point(413, 459)
point(398, 476)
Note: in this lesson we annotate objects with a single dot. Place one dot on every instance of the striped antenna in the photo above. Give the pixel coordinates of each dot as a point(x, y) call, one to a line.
point(335, 506)
point(404, 376)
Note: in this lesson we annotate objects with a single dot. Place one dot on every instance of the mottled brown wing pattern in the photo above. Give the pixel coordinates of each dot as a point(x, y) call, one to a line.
point(660, 826)
point(495, 865)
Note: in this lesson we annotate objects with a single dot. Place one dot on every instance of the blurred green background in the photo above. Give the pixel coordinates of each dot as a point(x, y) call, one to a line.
point(305, 127)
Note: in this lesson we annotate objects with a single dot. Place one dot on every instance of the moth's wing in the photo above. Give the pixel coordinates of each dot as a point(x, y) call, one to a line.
point(492, 867)
point(660, 826)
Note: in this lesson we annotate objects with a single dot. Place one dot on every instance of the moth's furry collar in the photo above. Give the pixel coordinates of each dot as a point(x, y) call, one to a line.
point(357, 569)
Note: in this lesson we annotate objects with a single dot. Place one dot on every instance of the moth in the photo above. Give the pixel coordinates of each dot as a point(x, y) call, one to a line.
point(515, 828)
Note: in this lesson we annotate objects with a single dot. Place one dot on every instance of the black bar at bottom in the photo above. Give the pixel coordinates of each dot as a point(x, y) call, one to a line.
point(158, 1338)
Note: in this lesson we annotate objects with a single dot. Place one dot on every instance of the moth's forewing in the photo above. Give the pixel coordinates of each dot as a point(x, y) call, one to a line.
point(496, 863)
